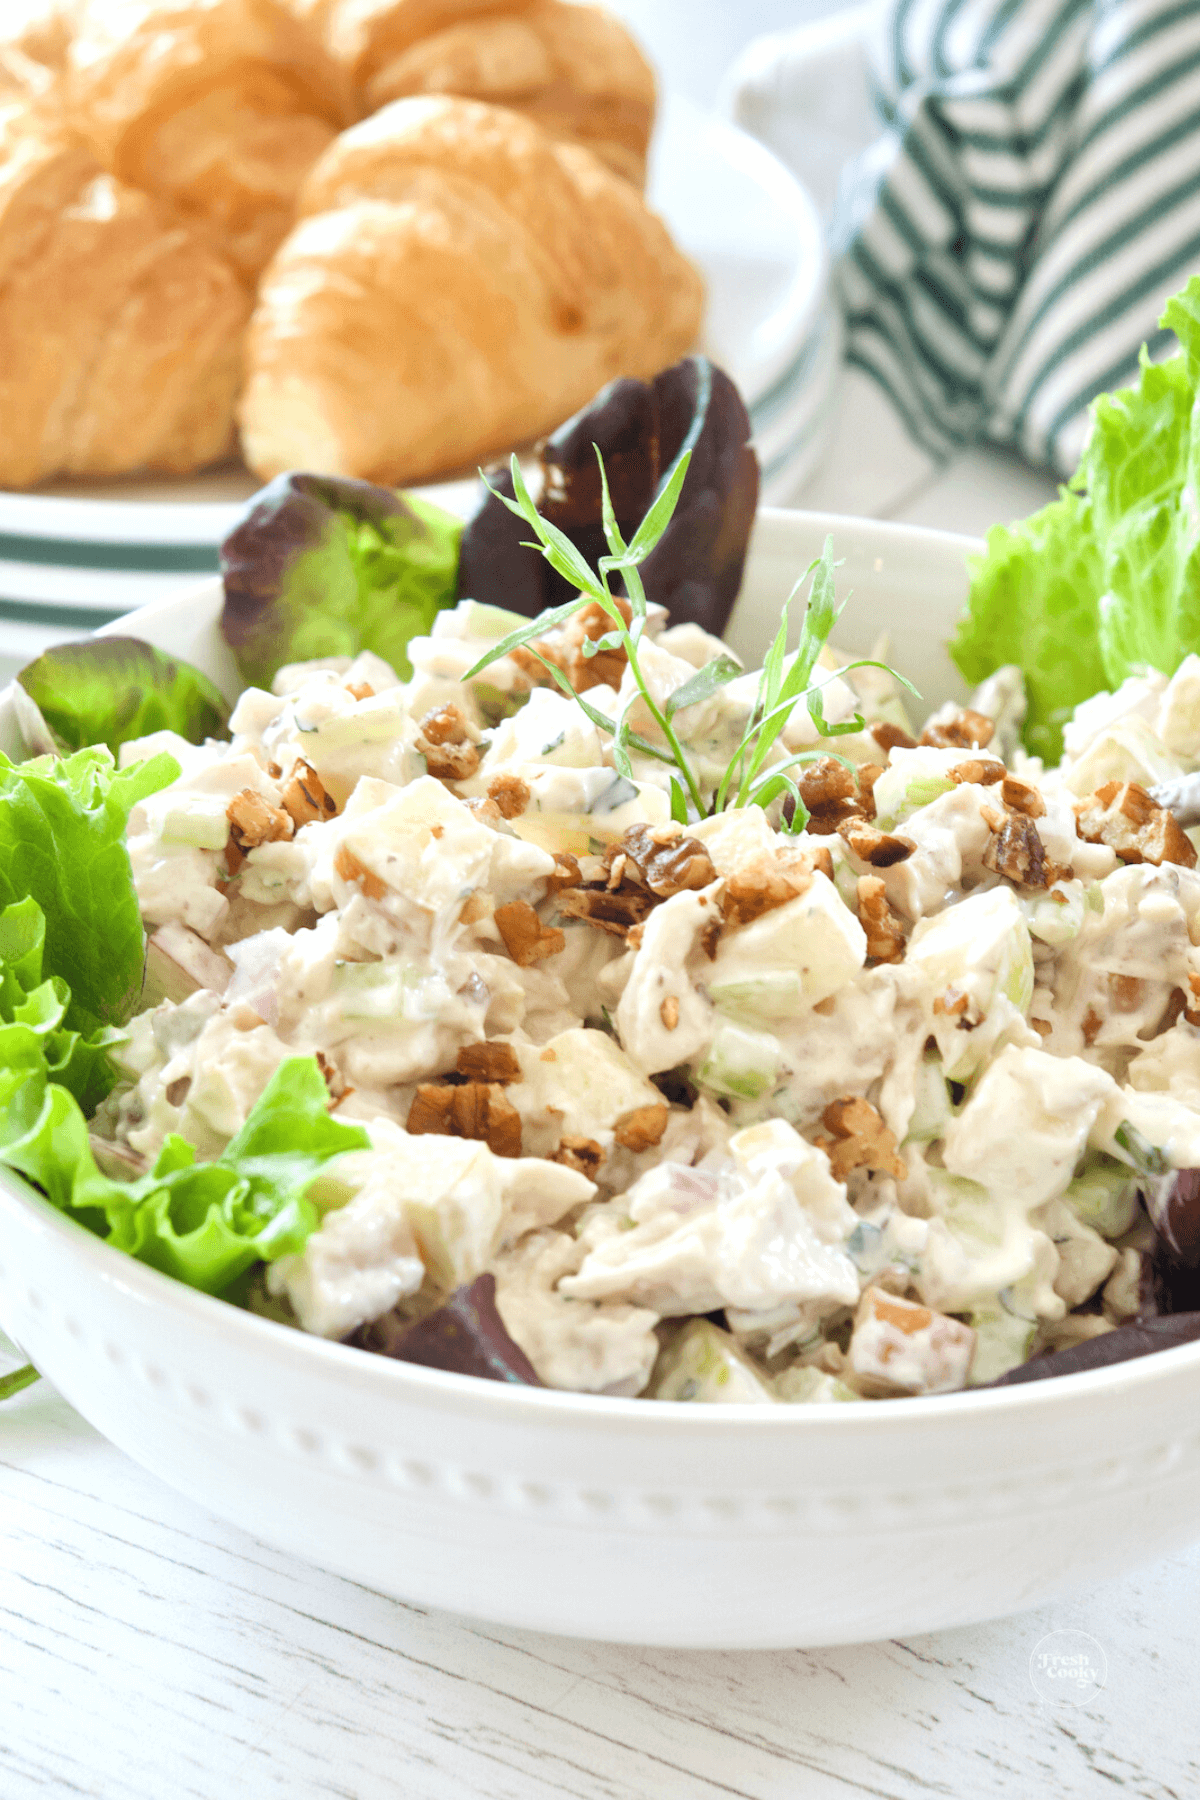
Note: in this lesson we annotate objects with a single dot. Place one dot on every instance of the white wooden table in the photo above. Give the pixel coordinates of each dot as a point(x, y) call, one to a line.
point(149, 1652)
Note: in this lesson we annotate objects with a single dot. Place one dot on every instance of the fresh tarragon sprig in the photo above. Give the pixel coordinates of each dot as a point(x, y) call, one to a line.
point(751, 779)
point(18, 1379)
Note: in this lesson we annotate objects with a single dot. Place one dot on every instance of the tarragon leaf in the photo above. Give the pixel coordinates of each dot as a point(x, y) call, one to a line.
point(704, 683)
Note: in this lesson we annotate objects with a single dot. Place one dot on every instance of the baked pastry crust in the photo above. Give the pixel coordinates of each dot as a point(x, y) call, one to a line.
point(218, 106)
point(458, 284)
point(38, 29)
point(121, 325)
point(573, 68)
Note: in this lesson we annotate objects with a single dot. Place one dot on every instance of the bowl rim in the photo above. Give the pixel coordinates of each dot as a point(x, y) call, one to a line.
point(390, 1378)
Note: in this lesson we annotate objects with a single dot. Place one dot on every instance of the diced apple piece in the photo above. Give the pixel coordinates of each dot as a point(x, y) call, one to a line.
point(705, 1364)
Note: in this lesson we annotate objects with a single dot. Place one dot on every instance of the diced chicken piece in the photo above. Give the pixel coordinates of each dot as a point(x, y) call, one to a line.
point(1085, 1261)
point(603, 1347)
point(178, 962)
point(666, 967)
point(447, 1200)
point(747, 1236)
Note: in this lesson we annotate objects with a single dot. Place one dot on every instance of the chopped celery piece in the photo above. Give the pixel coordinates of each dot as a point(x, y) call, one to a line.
point(933, 1108)
point(1057, 917)
point(741, 1063)
point(1104, 1196)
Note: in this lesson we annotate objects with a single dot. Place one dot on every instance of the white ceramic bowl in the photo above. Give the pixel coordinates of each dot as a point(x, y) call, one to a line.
point(623, 1519)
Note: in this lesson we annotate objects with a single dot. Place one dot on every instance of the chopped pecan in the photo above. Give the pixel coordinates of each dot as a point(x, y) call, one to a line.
point(764, 882)
point(1175, 1008)
point(824, 821)
point(882, 849)
point(710, 937)
point(953, 1002)
point(606, 668)
point(1022, 797)
point(361, 690)
point(526, 939)
point(668, 1012)
point(967, 730)
point(885, 934)
point(304, 797)
point(484, 809)
point(642, 1128)
point(488, 1062)
point(431, 1112)
point(584, 1155)
point(177, 1091)
point(566, 873)
point(668, 867)
point(1090, 1025)
point(1126, 992)
point(331, 1076)
point(1126, 818)
point(1017, 852)
point(479, 1110)
point(981, 771)
point(530, 665)
point(1192, 1013)
point(564, 649)
point(868, 775)
point(614, 913)
point(860, 1140)
point(253, 821)
point(891, 737)
point(446, 724)
point(510, 793)
point(824, 781)
point(350, 868)
point(444, 740)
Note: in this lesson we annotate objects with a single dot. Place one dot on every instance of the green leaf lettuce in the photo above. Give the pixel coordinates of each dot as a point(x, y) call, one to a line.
point(1105, 581)
point(33, 1036)
point(325, 566)
point(205, 1224)
point(107, 690)
point(62, 843)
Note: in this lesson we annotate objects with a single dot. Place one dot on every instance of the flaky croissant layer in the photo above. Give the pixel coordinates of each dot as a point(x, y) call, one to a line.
point(459, 283)
point(121, 324)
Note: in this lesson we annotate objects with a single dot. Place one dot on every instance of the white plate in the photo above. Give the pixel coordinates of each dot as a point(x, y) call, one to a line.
point(720, 1526)
point(77, 554)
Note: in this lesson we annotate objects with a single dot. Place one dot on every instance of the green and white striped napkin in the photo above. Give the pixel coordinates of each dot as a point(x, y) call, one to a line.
point(1006, 248)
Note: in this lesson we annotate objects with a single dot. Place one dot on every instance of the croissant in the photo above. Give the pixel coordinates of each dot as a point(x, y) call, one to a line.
point(217, 106)
point(459, 283)
point(120, 325)
point(574, 69)
point(39, 29)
